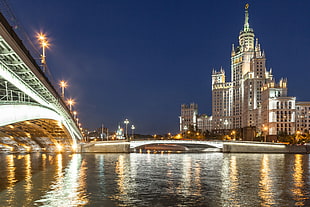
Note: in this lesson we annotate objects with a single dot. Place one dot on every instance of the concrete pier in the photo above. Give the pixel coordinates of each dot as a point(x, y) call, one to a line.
point(107, 147)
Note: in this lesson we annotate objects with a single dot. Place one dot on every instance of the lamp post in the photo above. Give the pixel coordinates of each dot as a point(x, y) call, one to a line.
point(297, 136)
point(63, 84)
point(70, 102)
point(234, 134)
point(132, 130)
point(265, 130)
point(44, 44)
point(126, 122)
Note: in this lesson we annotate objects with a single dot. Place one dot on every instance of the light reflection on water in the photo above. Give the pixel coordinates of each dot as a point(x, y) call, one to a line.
point(211, 179)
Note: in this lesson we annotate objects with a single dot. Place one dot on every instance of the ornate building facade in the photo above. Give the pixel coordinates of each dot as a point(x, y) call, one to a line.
point(239, 104)
point(251, 103)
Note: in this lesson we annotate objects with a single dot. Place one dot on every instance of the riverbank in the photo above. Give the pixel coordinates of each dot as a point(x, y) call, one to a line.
point(259, 147)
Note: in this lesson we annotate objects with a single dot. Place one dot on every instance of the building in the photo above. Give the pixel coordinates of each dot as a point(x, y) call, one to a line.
point(191, 120)
point(221, 101)
point(278, 109)
point(240, 104)
point(188, 118)
point(251, 104)
point(204, 123)
point(303, 117)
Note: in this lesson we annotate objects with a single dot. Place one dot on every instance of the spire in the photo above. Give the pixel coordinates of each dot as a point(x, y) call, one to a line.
point(246, 19)
point(233, 50)
point(256, 45)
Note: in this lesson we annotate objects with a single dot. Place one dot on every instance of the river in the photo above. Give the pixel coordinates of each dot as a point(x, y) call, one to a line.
point(141, 179)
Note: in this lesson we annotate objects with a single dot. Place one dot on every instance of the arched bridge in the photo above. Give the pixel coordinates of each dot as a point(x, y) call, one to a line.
point(33, 116)
point(177, 145)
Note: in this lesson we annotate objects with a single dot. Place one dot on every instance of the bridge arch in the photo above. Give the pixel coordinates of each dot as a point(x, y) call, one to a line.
point(216, 145)
point(15, 113)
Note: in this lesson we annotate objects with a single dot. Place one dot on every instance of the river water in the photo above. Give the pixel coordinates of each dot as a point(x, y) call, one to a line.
point(204, 179)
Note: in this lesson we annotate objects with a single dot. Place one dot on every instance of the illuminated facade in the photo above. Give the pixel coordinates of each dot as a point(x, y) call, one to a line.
point(221, 101)
point(303, 117)
point(278, 109)
point(191, 120)
point(239, 104)
point(188, 118)
point(204, 123)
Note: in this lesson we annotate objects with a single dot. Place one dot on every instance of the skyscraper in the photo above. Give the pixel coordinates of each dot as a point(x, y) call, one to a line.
point(238, 104)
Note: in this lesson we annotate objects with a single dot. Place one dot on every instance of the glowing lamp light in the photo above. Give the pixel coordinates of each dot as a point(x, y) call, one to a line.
point(74, 147)
point(63, 84)
point(71, 102)
point(28, 148)
point(59, 147)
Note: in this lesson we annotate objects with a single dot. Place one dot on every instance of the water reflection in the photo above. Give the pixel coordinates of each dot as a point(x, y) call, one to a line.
point(230, 181)
point(299, 182)
point(68, 189)
point(265, 183)
point(10, 178)
point(211, 179)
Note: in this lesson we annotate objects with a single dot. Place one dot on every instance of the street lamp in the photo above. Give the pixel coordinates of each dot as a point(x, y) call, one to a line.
point(70, 102)
point(44, 44)
point(265, 129)
point(234, 134)
point(63, 84)
point(132, 130)
point(74, 114)
point(126, 122)
point(297, 135)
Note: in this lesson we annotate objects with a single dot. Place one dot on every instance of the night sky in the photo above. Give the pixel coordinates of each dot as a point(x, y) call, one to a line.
point(142, 59)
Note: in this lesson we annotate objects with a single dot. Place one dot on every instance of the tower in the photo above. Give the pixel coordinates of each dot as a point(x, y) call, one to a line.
point(248, 74)
point(237, 104)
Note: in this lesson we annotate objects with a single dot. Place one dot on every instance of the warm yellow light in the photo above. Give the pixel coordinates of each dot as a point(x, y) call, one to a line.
point(265, 128)
point(59, 147)
point(28, 148)
point(43, 40)
point(71, 102)
point(63, 84)
point(74, 147)
point(45, 43)
point(178, 136)
point(41, 36)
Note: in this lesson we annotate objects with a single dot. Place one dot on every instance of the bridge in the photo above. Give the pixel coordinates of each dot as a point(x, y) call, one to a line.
point(177, 145)
point(33, 117)
point(153, 145)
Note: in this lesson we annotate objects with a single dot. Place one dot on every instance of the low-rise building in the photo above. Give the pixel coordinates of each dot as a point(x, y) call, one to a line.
point(303, 116)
